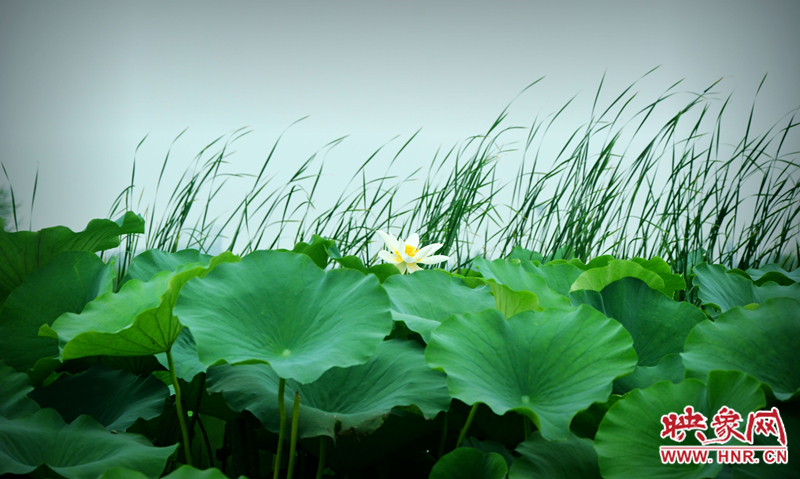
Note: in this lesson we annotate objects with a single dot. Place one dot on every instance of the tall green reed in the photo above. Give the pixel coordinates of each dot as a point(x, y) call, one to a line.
point(597, 196)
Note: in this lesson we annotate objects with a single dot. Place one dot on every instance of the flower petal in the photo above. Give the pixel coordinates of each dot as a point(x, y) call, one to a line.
point(435, 259)
point(434, 247)
point(390, 241)
point(389, 257)
point(424, 252)
point(402, 267)
point(413, 240)
point(413, 267)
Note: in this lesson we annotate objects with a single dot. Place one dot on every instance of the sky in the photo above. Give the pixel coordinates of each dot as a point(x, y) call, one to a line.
point(83, 82)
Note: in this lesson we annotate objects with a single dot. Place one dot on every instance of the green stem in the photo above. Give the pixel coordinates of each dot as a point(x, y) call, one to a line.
point(293, 441)
point(323, 449)
point(282, 430)
point(466, 425)
point(526, 422)
point(179, 407)
point(443, 439)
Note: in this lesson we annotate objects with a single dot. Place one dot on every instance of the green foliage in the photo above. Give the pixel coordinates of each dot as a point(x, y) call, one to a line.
point(27, 251)
point(470, 464)
point(629, 436)
point(613, 304)
point(64, 285)
point(44, 439)
point(281, 309)
point(546, 366)
point(343, 401)
point(760, 342)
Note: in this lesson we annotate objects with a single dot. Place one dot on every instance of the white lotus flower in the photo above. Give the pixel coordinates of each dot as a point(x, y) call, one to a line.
point(406, 254)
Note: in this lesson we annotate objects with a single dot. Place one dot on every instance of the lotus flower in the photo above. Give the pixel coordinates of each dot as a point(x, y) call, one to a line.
point(407, 254)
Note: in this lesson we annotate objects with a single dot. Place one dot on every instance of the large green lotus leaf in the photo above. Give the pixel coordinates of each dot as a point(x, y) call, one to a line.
point(547, 366)
point(773, 272)
point(64, 285)
point(382, 271)
point(629, 437)
point(669, 368)
point(81, 450)
point(136, 321)
point(520, 253)
point(760, 342)
point(559, 275)
point(26, 251)
point(426, 298)
point(490, 446)
point(13, 389)
point(280, 308)
point(352, 400)
point(724, 290)
point(115, 399)
point(183, 472)
point(597, 262)
point(320, 250)
point(511, 302)
point(659, 326)
point(672, 282)
point(148, 264)
point(571, 458)
point(468, 463)
point(521, 276)
point(596, 279)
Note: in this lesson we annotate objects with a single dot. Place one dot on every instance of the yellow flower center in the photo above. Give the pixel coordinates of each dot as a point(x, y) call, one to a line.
point(410, 250)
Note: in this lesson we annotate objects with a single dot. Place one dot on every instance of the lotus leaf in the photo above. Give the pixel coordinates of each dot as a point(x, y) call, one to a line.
point(542, 459)
point(148, 264)
point(659, 326)
point(44, 439)
point(382, 271)
point(521, 276)
point(773, 272)
point(136, 321)
point(672, 282)
point(13, 389)
point(115, 399)
point(725, 290)
point(596, 279)
point(547, 366)
point(468, 463)
point(64, 285)
point(354, 400)
point(183, 472)
point(26, 251)
point(426, 298)
point(761, 342)
point(629, 437)
point(280, 308)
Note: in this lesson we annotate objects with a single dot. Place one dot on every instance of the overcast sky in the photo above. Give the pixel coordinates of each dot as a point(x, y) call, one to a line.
point(82, 82)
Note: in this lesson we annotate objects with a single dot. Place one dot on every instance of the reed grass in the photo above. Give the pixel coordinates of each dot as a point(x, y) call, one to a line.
point(596, 196)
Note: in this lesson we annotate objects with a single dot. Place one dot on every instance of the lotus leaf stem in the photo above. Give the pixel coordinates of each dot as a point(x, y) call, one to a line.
point(466, 425)
point(179, 408)
point(282, 429)
point(293, 441)
point(443, 439)
point(323, 449)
